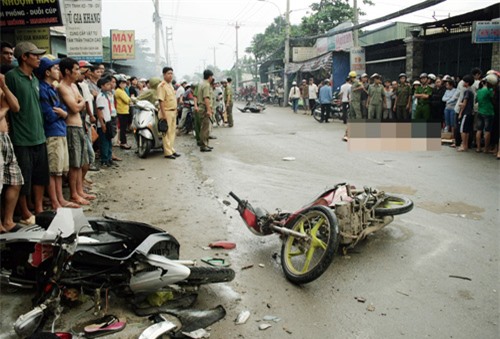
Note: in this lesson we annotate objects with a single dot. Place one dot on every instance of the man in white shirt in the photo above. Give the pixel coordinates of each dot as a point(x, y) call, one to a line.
point(313, 94)
point(345, 92)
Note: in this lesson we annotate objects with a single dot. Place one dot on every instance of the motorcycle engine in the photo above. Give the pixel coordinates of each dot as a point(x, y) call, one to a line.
point(349, 222)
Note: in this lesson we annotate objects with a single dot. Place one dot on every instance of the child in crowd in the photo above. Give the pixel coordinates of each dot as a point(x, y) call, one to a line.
point(103, 104)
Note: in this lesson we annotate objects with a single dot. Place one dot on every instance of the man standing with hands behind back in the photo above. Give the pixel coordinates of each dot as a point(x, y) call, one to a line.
point(205, 94)
point(168, 112)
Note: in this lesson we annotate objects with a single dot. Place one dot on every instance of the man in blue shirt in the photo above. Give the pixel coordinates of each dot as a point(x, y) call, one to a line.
point(325, 99)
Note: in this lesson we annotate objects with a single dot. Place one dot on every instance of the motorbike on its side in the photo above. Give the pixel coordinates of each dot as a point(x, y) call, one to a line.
point(67, 252)
point(145, 127)
point(311, 235)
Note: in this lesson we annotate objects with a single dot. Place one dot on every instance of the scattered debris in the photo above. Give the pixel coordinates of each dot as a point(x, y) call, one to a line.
point(264, 327)
point(227, 203)
point(460, 277)
point(360, 299)
point(287, 330)
point(198, 334)
point(262, 265)
point(268, 305)
point(271, 318)
point(218, 262)
point(370, 308)
point(403, 293)
point(206, 248)
point(223, 244)
point(288, 159)
point(247, 267)
point(242, 317)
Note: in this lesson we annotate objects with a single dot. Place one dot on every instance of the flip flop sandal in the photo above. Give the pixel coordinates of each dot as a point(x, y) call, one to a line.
point(30, 221)
point(104, 326)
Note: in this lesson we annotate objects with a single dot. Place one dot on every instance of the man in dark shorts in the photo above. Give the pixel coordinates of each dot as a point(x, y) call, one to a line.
point(466, 114)
point(27, 132)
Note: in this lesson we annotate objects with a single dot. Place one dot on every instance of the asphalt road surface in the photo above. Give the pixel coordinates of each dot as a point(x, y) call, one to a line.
point(432, 273)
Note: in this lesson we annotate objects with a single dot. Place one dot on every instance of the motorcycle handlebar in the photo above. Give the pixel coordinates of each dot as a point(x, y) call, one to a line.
point(238, 200)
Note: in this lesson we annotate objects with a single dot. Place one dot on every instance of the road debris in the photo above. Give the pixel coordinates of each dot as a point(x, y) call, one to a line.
point(262, 265)
point(227, 245)
point(271, 318)
point(264, 327)
point(247, 267)
point(370, 308)
point(360, 299)
point(198, 334)
point(460, 277)
point(242, 317)
point(403, 293)
point(288, 159)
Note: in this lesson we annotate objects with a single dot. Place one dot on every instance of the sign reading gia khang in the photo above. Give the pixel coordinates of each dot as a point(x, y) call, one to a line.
point(40, 36)
point(485, 31)
point(83, 29)
point(122, 44)
point(15, 13)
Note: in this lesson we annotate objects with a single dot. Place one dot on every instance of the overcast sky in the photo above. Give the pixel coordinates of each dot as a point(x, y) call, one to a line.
point(200, 25)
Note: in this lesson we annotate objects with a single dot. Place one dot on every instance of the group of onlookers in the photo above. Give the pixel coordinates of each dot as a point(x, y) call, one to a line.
point(56, 114)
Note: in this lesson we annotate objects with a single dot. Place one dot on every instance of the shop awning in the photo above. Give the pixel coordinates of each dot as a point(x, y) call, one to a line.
point(321, 62)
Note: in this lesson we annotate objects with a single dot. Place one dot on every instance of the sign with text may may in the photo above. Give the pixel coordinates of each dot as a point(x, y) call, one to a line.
point(83, 29)
point(122, 44)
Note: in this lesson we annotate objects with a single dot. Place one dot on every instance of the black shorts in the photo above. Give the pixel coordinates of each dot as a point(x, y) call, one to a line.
point(34, 165)
point(466, 123)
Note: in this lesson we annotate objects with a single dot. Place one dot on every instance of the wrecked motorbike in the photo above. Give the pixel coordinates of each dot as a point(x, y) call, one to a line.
point(145, 126)
point(66, 253)
point(342, 215)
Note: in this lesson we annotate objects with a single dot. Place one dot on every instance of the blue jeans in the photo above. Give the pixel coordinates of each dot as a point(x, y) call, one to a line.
point(449, 117)
point(105, 146)
point(295, 105)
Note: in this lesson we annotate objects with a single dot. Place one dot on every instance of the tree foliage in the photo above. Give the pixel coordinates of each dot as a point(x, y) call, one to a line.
point(323, 16)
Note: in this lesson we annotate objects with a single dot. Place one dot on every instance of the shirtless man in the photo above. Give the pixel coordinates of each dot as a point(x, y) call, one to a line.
point(10, 173)
point(77, 147)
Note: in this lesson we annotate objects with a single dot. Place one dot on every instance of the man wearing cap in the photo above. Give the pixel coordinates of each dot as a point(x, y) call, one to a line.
point(228, 100)
point(403, 99)
point(55, 114)
point(294, 96)
point(375, 102)
point(356, 89)
point(423, 94)
point(205, 109)
point(27, 132)
point(168, 111)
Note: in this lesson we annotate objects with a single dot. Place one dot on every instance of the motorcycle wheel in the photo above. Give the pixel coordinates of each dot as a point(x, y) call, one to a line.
point(393, 205)
point(305, 259)
point(208, 275)
point(144, 146)
point(317, 113)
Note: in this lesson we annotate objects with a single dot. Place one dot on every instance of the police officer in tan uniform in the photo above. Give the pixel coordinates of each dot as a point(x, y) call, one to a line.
point(168, 111)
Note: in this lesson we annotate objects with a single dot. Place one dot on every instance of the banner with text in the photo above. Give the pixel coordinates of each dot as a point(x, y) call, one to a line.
point(15, 13)
point(484, 32)
point(83, 29)
point(358, 60)
point(122, 44)
point(40, 36)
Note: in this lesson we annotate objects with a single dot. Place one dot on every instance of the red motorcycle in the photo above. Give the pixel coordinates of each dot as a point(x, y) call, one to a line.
point(342, 215)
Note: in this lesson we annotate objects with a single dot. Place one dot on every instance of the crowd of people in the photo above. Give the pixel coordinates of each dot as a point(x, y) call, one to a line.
point(60, 118)
point(462, 105)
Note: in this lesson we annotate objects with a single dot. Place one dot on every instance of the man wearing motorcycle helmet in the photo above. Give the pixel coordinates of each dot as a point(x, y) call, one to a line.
point(423, 94)
point(403, 99)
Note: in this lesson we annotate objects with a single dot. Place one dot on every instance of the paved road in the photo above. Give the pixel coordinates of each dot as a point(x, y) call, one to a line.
point(403, 271)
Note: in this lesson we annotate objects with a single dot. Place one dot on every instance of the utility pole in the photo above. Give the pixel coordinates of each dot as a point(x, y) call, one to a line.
point(168, 31)
point(157, 20)
point(287, 53)
point(356, 21)
point(236, 64)
point(215, 60)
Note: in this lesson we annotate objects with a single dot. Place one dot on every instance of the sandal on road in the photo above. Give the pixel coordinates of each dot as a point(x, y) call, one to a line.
point(104, 326)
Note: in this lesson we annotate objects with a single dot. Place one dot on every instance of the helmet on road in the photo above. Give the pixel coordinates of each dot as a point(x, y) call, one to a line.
point(353, 74)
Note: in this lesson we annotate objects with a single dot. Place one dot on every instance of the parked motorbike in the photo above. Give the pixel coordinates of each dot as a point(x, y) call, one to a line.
point(311, 235)
point(67, 251)
point(252, 107)
point(145, 126)
point(335, 109)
